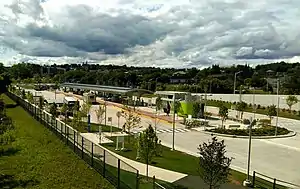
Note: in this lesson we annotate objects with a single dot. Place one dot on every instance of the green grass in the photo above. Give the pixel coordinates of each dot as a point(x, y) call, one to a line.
point(176, 161)
point(172, 160)
point(94, 127)
point(40, 160)
point(263, 111)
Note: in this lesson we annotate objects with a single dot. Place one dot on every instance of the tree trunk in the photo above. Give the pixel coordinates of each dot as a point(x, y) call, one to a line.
point(147, 162)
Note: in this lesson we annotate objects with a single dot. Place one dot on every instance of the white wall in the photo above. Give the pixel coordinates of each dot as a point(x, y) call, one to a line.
point(263, 100)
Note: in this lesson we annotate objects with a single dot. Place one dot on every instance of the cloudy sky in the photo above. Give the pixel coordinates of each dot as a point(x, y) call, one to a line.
point(163, 33)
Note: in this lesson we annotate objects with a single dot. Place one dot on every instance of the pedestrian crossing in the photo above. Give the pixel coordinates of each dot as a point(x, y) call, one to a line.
point(159, 131)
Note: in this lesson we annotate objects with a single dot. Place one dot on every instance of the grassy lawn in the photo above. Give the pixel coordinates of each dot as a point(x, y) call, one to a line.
point(178, 161)
point(83, 128)
point(40, 160)
point(263, 111)
point(172, 160)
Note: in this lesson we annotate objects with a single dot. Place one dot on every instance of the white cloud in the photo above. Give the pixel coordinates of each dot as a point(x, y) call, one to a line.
point(179, 33)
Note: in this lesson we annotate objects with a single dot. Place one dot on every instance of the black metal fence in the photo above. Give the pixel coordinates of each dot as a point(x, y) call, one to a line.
point(119, 173)
point(263, 181)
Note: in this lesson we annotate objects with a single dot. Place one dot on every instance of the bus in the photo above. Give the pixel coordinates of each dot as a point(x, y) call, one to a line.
point(89, 97)
point(71, 102)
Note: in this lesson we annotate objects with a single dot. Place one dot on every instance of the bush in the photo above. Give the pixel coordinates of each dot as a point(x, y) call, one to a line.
point(193, 123)
point(294, 112)
point(263, 107)
point(283, 109)
point(258, 106)
point(246, 121)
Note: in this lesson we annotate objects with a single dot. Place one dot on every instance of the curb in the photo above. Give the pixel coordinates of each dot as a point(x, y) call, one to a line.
point(291, 134)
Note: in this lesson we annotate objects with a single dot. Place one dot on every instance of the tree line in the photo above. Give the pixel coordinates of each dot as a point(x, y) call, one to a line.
point(214, 79)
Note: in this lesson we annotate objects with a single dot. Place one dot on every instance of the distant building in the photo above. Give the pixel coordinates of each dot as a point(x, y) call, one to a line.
point(179, 77)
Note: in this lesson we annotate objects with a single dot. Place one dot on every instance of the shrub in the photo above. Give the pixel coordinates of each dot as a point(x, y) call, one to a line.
point(283, 109)
point(246, 121)
point(294, 112)
point(258, 106)
point(263, 107)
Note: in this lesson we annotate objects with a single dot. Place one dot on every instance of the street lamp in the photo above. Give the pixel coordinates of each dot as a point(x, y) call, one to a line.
point(247, 182)
point(234, 83)
point(173, 142)
point(277, 107)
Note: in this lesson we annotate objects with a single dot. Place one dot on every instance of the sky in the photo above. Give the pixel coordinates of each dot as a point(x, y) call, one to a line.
point(160, 33)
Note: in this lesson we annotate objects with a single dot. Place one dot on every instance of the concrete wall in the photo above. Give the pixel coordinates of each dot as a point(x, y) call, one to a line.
point(263, 100)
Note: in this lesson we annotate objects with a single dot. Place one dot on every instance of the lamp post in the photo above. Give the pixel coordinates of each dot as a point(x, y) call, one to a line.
point(247, 182)
point(173, 142)
point(277, 107)
point(234, 83)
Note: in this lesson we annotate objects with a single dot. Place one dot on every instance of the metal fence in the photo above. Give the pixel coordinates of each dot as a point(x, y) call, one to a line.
point(119, 173)
point(263, 181)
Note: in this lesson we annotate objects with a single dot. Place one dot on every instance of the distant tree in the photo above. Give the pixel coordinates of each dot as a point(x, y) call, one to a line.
point(241, 107)
point(196, 109)
point(213, 164)
point(272, 112)
point(223, 113)
point(291, 100)
point(147, 145)
point(132, 120)
point(158, 104)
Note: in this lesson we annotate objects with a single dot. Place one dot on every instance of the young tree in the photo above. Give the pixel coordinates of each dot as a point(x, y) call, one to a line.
point(53, 109)
point(214, 165)
point(64, 110)
point(147, 145)
point(30, 98)
point(131, 119)
point(85, 109)
point(272, 112)
point(223, 113)
point(158, 104)
point(241, 107)
point(100, 117)
point(291, 100)
point(118, 114)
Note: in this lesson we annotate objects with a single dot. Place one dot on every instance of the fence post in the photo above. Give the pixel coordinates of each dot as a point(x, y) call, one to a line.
point(274, 183)
point(104, 163)
point(119, 167)
point(67, 134)
point(137, 179)
point(82, 147)
point(253, 179)
point(61, 131)
point(92, 154)
point(55, 125)
point(154, 182)
point(74, 140)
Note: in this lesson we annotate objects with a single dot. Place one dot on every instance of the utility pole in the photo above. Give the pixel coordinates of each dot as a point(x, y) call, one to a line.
point(277, 107)
point(234, 83)
point(173, 143)
point(247, 182)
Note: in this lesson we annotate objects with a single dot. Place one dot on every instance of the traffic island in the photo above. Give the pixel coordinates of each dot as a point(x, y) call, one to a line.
point(266, 132)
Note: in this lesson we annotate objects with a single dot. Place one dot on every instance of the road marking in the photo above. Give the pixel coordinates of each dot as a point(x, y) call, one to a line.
point(282, 145)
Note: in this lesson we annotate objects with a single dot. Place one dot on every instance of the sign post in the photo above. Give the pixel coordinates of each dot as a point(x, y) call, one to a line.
point(121, 139)
point(109, 119)
point(89, 123)
point(117, 144)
